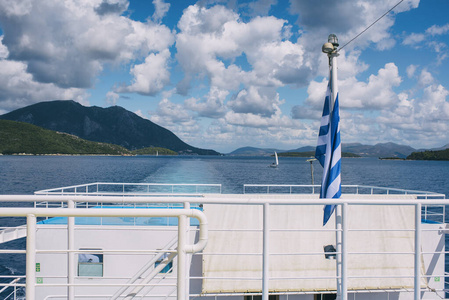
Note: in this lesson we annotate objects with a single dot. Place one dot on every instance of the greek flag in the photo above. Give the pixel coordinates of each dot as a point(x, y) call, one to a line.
point(328, 152)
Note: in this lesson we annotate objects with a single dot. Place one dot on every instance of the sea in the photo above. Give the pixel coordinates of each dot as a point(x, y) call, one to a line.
point(27, 174)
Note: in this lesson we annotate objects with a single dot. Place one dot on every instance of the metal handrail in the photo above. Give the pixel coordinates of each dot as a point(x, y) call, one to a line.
point(127, 188)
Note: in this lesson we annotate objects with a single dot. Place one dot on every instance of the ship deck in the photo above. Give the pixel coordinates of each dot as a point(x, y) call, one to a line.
point(269, 240)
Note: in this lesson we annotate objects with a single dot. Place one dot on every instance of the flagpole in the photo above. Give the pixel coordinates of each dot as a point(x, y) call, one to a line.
point(330, 48)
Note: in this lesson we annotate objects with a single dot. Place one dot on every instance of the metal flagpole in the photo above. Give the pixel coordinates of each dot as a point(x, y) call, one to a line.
point(330, 48)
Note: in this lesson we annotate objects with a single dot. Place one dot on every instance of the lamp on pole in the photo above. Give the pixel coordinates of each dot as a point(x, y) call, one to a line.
point(311, 167)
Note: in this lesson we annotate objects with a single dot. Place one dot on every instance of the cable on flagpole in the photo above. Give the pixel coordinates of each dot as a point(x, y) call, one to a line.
point(370, 25)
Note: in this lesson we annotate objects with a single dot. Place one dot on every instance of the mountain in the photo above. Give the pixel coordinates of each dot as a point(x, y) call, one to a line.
point(378, 150)
point(19, 137)
point(440, 148)
point(304, 149)
point(252, 151)
point(114, 125)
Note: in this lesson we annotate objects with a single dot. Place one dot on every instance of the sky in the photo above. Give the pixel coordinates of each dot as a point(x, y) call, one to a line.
point(228, 74)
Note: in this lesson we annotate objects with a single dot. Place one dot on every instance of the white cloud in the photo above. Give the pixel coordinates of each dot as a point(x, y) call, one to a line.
point(140, 113)
point(172, 112)
point(261, 7)
point(438, 30)
point(175, 118)
point(151, 76)
point(3, 50)
point(428, 39)
point(262, 102)
point(376, 94)
point(414, 39)
point(411, 70)
point(212, 107)
point(209, 38)
point(67, 42)
point(112, 98)
point(423, 119)
point(160, 10)
point(425, 78)
point(19, 89)
point(347, 19)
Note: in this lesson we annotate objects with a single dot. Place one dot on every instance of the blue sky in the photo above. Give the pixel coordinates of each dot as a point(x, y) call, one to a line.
point(227, 74)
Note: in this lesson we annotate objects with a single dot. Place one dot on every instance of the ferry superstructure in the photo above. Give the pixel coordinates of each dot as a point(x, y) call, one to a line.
point(181, 241)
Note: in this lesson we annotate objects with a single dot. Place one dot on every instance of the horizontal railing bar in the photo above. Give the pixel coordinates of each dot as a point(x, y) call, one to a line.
point(222, 200)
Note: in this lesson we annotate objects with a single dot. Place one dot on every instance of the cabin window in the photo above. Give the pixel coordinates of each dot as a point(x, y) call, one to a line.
point(90, 264)
point(270, 297)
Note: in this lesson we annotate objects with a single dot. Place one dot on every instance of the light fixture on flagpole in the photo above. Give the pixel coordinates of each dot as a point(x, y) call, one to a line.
point(331, 45)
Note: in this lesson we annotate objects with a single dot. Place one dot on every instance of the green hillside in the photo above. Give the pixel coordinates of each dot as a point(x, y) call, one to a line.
point(430, 155)
point(18, 137)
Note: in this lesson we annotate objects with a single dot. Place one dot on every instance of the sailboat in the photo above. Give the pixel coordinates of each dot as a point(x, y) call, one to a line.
point(276, 163)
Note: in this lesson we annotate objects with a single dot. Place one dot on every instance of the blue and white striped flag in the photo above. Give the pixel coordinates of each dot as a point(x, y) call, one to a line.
point(328, 152)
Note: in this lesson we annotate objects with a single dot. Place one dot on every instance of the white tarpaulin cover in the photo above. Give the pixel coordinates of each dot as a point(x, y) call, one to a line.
point(235, 233)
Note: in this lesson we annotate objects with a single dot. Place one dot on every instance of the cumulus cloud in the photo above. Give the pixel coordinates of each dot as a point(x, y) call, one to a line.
point(212, 39)
point(347, 19)
point(425, 78)
point(19, 89)
point(375, 94)
point(160, 10)
point(414, 39)
point(112, 98)
point(176, 118)
point(262, 102)
point(212, 107)
point(411, 70)
point(438, 30)
point(209, 37)
point(261, 7)
point(3, 50)
point(151, 76)
point(424, 118)
point(112, 7)
point(67, 42)
point(427, 39)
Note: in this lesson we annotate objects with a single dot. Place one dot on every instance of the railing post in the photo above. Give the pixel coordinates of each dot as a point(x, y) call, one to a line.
point(70, 254)
point(338, 248)
point(181, 280)
point(31, 257)
point(417, 283)
point(344, 252)
point(187, 231)
point(265, 251)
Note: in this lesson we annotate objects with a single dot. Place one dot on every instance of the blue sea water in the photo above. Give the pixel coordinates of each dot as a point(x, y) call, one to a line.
point(26, 174)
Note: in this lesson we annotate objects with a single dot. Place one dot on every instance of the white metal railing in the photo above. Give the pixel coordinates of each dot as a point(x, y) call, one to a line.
point(437, 213)
point(134, 189)
point(32, 214)
point(342, 252)
point(348, 188)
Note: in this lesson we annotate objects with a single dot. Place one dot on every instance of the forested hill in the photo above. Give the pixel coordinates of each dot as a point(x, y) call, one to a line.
point(430, 155)
point(114, 125)
point(18, 137)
